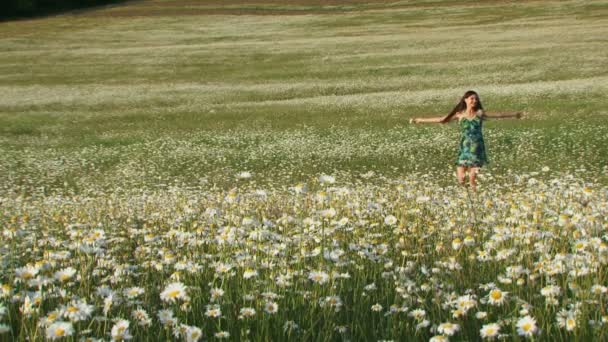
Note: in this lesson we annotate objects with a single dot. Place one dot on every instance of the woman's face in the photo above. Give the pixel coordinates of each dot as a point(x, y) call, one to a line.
point(471, 101)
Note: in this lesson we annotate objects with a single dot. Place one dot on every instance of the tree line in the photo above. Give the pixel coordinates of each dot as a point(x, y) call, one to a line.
point(28, 8)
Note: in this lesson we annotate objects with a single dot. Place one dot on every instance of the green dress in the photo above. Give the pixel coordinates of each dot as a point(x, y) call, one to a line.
point(472, 151)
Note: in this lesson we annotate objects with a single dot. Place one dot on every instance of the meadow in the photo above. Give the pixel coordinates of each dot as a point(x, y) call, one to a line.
point(246, 170)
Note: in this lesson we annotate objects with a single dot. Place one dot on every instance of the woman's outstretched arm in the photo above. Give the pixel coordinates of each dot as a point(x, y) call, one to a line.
point(517, 115)
point(428, 120)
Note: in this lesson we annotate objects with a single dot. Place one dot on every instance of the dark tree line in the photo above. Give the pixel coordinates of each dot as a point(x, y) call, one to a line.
point(27, 8)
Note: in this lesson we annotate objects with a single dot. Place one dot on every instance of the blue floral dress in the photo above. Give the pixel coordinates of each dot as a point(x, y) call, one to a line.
point(472, 150)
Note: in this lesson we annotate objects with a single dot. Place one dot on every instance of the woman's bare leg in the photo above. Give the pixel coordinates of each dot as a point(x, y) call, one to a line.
point(460, 173)
point(473, 177)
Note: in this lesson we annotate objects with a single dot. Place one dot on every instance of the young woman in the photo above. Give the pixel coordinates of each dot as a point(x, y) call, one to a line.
point(472, 151)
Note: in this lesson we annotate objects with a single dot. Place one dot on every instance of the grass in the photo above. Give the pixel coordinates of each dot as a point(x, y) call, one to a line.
point(137, 122)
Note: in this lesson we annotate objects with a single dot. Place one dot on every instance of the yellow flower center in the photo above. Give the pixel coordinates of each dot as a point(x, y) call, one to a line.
point(173, 294)
point(60, 332)
point(496, 294)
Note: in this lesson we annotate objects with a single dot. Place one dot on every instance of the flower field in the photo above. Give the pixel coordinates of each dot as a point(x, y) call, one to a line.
point(173, 170)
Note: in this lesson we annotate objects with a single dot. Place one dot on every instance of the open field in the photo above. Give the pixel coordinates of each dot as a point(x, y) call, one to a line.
point(247, 168)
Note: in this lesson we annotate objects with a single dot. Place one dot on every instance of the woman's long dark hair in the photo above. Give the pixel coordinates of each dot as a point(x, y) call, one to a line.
point(462, 105)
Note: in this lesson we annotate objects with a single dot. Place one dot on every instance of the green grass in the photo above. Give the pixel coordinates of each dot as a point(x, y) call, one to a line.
point(111, 80)
point(127, 129)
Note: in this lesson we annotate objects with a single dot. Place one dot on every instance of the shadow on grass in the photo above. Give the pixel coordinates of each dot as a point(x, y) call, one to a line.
point(29, 9)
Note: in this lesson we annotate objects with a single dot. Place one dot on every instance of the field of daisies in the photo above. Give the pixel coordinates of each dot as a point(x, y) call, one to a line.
point(244, 170)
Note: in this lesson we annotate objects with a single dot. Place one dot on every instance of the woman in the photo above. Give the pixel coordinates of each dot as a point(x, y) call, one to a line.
point(472, 152)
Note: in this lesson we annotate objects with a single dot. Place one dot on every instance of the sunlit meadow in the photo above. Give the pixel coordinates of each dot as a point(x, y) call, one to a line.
point(244, 170)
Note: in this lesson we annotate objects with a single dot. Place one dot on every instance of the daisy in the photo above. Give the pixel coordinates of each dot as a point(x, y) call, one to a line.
point(318, 277)
point(244, 175)
point(222, 334)
point(64, 274)
point(249, 273)
point(77, 311)
point(120, 330)
point(142, 318)
point(247, 313)
point(423, 324)
point(448, 328)
point(390, 220)
point(193, 334)
point(326, 179)
point(567, 320)
point(166, 318)
point(58, 330)
point(271, 307)
point(133, 292)
point(489, 331)
point(526, 326)
point(173, 292)
point(216, 293)
point(213, 311)
point(599, 289)
point(497, 297)
point(376, 307)
point(26, 273)
point(418, 314)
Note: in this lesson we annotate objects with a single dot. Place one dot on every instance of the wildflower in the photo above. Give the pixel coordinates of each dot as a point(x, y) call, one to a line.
point(58, 330)
point(423, 324)
point(325, 179)
point(133, 292)
point(244, 175)
point(319, 277)
point(216, 293)
point(390, 220)
point(376, 307)
point(247, 313)
point(489, 331)
point(271, 307)
point(448, 328)
point(465, 303)
point(222, 334)
point(469, 241)
point(334, 302)
point(142, 318)
point(120, 331)
point(26, 273)
point(566, 319)
point(193, 334)
point(173, 292)
point(599, 289)
point(213, 311)
point(497, 297)
point(77, 311)
point(417, 314)
point(481, 315)
point(5, 290)
point(439, 338)
point(526, 326)
point(249, 273)
point(65, 274)
point(166, 318)
point(327, 213)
